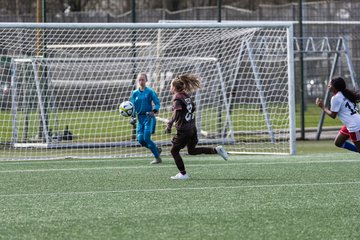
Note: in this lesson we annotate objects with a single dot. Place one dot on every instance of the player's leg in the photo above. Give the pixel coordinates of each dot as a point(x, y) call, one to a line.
point(140, 133)
point(357, 144)
point(341, 140)
point(141, 140)
point(175, 152)
point(150, 144)
point(194, 150)
point(148, 129)
point(355, 138)
point(179, 142)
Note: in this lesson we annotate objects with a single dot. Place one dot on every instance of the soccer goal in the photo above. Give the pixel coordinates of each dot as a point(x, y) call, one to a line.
point(61, 85)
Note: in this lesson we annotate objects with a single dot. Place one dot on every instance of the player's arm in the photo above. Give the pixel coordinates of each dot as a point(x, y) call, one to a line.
point(320, 103)
point(174, 118)
point(132, 98)
point(176, 115)
point(133, 116)
point(156, 102)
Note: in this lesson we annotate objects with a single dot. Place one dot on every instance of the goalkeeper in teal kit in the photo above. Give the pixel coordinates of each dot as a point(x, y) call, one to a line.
point(143, 99)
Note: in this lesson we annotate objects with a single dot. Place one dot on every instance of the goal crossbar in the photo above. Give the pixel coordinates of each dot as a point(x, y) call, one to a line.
point(247, 24)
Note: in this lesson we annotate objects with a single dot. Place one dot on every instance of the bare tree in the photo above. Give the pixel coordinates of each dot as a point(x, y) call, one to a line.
point(78, 5)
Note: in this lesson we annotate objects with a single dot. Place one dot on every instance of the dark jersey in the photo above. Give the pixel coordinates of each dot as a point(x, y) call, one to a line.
point(183, 112)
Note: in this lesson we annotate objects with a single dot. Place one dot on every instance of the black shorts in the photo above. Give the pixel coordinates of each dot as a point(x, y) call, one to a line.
point(185, 138)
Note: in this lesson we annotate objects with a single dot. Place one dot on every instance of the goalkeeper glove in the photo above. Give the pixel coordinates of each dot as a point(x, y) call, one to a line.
point(133, 121)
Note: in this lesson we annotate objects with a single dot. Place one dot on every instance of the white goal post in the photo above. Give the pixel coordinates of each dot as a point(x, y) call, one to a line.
point(61, 85)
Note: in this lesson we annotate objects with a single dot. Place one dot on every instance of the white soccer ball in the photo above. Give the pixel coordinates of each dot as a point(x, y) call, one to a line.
point(126, 108)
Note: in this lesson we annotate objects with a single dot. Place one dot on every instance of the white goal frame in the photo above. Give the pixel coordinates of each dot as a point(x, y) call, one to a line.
point(227, 129)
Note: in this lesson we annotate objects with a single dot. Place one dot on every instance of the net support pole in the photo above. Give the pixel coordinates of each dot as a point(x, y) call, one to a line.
point(236, 72)
point(14, 101)
point(41, 104)
point(350, 64)
point(226, 103)
point(332, 72)
point(291, 83)
point(198, 108)
point(25, 96)
point(341, 45)
point(261, 93)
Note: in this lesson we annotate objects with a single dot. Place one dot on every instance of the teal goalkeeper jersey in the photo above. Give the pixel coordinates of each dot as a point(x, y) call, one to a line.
point(144, 100)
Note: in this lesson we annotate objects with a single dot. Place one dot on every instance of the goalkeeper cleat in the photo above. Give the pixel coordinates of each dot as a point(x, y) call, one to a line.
point(156, 161)
point(180, 176)
point(221, 151)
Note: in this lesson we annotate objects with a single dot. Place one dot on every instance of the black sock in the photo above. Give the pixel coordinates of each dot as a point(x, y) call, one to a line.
point(183, 172)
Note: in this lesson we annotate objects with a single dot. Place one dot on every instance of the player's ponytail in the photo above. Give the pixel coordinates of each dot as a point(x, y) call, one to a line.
point(339, 84)
point(186, 82)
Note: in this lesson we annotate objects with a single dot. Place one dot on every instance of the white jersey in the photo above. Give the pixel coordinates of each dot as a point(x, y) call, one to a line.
point(346, 111)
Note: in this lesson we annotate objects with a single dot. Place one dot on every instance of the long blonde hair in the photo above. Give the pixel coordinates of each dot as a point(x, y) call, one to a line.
point(186, 82)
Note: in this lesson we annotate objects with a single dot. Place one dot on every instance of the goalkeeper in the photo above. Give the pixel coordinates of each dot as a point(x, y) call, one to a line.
point(184, 119)
point(143, 99)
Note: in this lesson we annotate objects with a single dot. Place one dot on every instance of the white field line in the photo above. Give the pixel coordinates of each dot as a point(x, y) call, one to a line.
point(172, 166)
point(292, 185)
point(235, 157)
point(242, 157)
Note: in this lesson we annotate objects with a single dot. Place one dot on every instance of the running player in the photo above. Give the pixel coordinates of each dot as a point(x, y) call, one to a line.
point(343, 104)
point(183, 117)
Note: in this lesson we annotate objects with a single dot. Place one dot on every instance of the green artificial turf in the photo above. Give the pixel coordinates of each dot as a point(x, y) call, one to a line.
point(312, 195)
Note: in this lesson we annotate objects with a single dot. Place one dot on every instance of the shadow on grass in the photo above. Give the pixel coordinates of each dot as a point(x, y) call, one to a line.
point(233, 179)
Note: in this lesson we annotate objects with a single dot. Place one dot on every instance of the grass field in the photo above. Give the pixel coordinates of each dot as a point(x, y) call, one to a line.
point(313, 195)
point(90, 125)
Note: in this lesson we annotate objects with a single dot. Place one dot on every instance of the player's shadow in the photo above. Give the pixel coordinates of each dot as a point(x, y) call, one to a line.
point(234, 179)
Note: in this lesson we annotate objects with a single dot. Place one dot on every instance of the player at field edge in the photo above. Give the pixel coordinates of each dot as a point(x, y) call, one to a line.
point(343, 104)
point(147, 104)
point(183, 117)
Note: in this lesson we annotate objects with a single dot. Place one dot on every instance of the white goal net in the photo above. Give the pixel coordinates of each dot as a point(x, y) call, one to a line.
point(61, 85)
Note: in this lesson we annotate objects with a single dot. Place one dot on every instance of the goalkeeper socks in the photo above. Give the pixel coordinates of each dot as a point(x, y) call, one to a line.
point(349, 146)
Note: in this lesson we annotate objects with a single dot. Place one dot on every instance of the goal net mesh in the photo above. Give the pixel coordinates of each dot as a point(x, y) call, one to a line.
point(61, 88)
